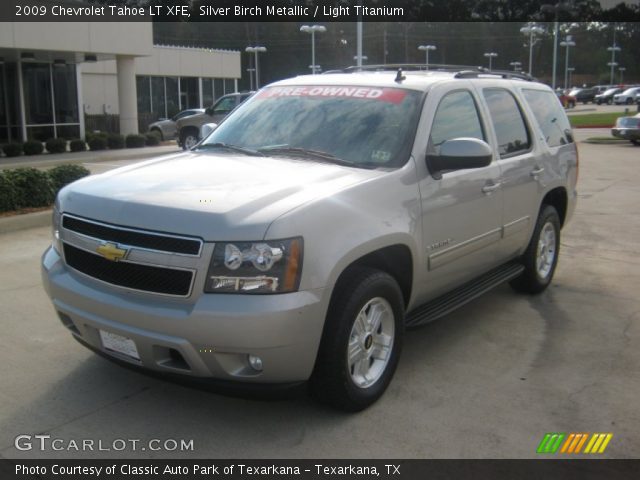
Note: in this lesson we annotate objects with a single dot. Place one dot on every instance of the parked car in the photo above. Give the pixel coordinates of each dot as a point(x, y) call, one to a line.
point(189, 127)
point(628, 128)
point(584, 95)
point(627, 97)
point(566, 100)
point(166, 127)
point(607, 96)
point(320, 219)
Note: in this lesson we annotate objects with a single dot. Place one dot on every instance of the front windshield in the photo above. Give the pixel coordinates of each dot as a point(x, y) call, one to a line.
point(611, 91)
point(363, 126)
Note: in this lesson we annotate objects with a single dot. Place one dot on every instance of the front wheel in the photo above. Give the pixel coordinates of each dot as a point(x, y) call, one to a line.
point(189, 139)
point(541, 257)
point(361, 342)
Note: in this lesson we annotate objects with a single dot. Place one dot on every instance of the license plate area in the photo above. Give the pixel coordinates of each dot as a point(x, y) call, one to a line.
point(115, 343)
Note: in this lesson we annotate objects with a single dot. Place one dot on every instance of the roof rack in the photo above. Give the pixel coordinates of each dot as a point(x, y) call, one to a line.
point(461, 71)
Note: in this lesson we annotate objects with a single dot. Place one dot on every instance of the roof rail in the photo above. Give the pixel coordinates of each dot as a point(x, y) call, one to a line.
point(461, 71)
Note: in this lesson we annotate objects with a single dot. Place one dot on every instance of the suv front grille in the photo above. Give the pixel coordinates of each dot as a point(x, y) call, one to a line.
point(167, 281)
point(134, 238)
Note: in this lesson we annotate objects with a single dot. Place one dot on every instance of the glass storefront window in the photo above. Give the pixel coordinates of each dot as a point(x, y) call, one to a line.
point(189, 94)
point(65, 94)
point(157, 97)
point(229, 86)
point(144, 94)
point(207, 92)
point(68, 131)
point(37, 93)
point(218, 87)
point(173, 106)
point(42, 133)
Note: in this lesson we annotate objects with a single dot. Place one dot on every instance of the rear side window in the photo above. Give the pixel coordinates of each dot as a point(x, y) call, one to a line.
point(550, 116)
point(456, 117)
point(508, 122)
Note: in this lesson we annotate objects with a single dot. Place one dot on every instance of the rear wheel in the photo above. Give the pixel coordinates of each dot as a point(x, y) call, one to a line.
point(609, 102)
point(362, 340)
point(158, 132)
point(629, 101)
point(541, 257)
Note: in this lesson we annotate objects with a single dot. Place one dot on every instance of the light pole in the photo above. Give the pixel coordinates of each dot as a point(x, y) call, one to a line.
point(532, 31)
point(255, 51)
point(621, 70)
point(567, 43)
point(571, 70)
point(516, 66)
point(556, 9)
point(613, 49)
point(312, 29)
point(426, 49)
point(490, 56)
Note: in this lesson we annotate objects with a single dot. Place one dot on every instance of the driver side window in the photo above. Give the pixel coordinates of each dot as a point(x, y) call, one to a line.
point(225, 105)
point(456, 116)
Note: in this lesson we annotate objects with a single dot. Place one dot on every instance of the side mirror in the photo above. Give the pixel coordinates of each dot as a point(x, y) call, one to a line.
point(460, 154)
point(209, 111)
point(207, 128)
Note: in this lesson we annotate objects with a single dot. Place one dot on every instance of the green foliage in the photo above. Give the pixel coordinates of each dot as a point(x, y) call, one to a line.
point(77, 145)
point(7, 193)
point(56, 145)
point(595, 119)
point(32, 147)
point(152, 139)
point(65, 174)
point(12, 149)
point(97, 142)
point(115, 141)
point(135, 141)
point(32, 187)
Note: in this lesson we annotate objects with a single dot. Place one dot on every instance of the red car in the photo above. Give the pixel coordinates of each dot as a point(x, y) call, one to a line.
point(567, 101)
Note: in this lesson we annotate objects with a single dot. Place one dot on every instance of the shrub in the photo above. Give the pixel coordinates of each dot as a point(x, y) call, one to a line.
point(32, 147)
point(7, 193)
point(135, 141)
point(56, 145)
point(115, 141)
point(12, 149)
point(97, 142)
point(33, 187)
point(152, 139)
point(77, 145)
point(65, 174)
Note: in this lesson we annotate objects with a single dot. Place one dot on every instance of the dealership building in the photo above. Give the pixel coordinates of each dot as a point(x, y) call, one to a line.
point(54, 76)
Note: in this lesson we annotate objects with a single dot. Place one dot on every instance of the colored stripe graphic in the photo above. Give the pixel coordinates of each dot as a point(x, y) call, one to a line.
point(550, 443)
point(574, 442)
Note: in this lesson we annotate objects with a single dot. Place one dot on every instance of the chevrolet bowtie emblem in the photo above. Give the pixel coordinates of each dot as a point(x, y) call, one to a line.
point(110, 251)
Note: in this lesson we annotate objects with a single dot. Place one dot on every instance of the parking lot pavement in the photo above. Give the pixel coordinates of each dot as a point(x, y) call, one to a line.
point(486, 381)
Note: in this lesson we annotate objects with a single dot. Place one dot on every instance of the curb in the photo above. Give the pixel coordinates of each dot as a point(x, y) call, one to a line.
point(25, 221)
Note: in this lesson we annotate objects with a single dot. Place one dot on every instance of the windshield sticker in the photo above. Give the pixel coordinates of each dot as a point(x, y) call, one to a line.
point(391, 95)
point(380, 156)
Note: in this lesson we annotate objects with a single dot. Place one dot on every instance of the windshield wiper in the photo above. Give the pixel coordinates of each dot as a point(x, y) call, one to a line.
point(306, 152)
point(228, 146)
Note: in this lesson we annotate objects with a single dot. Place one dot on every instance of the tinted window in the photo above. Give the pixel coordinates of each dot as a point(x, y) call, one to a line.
point(225, 105)
point(511, 131)
point(552, 120)
point(456, 117)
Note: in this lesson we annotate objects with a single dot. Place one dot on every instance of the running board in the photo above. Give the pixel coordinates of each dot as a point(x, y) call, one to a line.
point(448, 302)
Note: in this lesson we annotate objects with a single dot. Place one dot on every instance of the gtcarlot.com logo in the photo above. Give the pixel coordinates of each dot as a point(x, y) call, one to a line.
point(46, 442)
point(574, 443)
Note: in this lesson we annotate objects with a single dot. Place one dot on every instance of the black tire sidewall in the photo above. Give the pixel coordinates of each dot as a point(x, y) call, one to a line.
point(332, 378)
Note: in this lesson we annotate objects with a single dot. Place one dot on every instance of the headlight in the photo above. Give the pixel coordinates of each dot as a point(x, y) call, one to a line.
point(56, 243)
point(271, 266)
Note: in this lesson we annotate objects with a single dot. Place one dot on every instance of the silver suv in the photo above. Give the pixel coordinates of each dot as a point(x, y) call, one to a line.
point(322, 218)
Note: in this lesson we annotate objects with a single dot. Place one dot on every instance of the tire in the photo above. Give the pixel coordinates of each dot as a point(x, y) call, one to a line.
point(628, 101)
point(159, 132)
point(636, 142)
point(361, 295)
point(541, 257)
point(188, 138)
point(609, 102)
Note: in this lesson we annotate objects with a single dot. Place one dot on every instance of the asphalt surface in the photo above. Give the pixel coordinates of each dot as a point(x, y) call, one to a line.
point(487, 381)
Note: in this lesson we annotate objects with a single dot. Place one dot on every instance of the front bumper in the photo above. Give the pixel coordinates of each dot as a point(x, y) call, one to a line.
point(626, 133)
point(211, 337)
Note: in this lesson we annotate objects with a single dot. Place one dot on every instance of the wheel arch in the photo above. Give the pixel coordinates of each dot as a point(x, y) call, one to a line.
point(557, 198)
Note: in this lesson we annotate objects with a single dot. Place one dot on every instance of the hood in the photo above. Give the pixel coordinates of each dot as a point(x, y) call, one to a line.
point(190, 119)
point(212, 196)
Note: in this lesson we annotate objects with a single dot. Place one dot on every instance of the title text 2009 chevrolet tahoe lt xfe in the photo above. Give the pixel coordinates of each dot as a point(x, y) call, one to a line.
point(320, 219)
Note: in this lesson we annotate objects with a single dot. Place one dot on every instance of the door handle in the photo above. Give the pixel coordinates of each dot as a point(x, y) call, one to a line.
point(491, 187)
point(536, 171)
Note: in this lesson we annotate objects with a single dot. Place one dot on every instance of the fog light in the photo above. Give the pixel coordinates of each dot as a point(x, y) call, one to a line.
point(255, 362)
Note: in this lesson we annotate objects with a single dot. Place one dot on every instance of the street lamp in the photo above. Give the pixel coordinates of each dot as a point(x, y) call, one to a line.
point(556, 9)
point(255, 51)
point(567, 43)
point(490, 56)
point(312, 29)
point(571, 70)
point(426, 49)
point(516, 66)
point(621, 70)
point(532, 31)
point(613, 49)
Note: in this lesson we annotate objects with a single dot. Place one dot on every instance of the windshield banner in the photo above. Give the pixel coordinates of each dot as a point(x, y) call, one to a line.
point(391, 95)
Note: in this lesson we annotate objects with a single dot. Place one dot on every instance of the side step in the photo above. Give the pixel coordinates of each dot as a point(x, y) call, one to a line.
point(448, 302)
